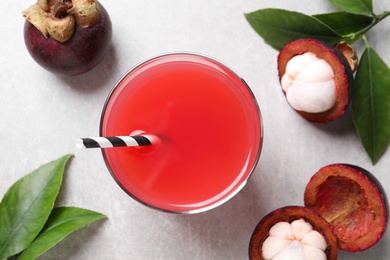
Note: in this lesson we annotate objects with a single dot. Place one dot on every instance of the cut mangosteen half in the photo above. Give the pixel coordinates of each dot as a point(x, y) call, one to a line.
point(290, 230)
point(352, 201)
point(316, 79)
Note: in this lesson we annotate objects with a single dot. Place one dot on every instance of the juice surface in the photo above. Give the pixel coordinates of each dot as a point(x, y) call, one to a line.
point(208, 124)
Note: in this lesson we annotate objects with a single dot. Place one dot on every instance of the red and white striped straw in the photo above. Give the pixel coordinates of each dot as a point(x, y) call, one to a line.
point(115, 141)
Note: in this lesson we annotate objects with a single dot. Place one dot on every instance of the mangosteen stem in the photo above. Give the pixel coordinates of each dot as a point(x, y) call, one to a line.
point(61, 7)
point(60, 24)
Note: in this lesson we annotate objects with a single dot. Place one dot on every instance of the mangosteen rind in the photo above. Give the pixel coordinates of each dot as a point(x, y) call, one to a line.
point(340, 66)
point(289, 214)
point(354, 203)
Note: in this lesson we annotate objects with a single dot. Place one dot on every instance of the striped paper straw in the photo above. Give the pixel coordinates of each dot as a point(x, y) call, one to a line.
point(115, 141)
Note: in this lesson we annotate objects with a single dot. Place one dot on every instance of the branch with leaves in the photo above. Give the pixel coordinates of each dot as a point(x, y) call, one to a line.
point(371, 94)
point(29, 223)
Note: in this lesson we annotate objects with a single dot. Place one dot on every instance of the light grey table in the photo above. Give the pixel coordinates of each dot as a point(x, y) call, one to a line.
point(42, 114)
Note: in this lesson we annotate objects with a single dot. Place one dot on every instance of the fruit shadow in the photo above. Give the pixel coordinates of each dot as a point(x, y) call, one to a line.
point(340, 127)
point(378, 251)
point(228, 227)
point(98, 77)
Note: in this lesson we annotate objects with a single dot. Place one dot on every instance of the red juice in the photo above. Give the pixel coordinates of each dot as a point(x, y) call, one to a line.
point(209, 129)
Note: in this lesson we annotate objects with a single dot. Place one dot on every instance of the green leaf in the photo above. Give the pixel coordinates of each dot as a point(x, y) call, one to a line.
point(26, 206)
point(371, 104)
point(278, 27)
point(353, 6)
point(350, 26)
point(62, 222)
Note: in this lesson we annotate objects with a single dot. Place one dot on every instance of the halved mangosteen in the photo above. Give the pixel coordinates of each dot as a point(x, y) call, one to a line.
point(316, 79)
point(352, 201)
point(290, 232)
point(344, 203)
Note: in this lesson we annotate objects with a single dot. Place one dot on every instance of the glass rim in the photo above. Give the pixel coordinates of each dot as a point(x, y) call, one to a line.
point(242, 182)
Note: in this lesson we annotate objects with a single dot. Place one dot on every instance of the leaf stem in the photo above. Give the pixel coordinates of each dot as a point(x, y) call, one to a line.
point(375, 21)
point(365, 40)
point(382, 16)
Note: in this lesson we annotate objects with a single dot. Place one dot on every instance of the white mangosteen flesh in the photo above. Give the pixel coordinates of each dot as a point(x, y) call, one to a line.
point(294, 241)
point(309, 84)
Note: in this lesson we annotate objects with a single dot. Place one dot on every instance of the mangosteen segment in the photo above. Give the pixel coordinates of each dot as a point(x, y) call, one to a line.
point(295, 240)
point(350, 200)
point(301, 226)
point(317, 96)
point(309, 84)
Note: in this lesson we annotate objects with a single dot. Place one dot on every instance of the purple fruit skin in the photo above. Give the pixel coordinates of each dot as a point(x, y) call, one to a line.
point(82, 52)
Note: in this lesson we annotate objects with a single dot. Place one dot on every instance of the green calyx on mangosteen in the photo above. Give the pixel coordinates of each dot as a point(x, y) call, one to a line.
point(352, 201)
point(316, 79)
point(67, 37)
